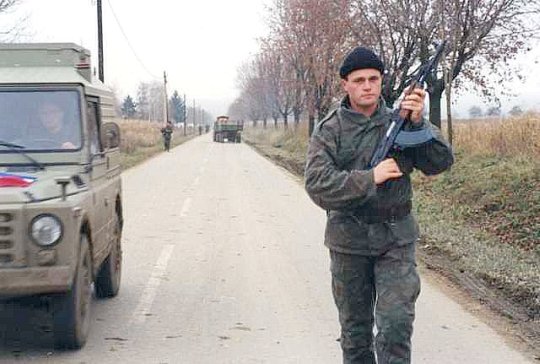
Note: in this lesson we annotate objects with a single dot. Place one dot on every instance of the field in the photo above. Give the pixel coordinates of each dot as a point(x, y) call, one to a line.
point(480, 221)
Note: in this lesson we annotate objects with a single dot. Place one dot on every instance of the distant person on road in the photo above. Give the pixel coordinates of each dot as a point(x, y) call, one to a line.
point(167, 132)
point(370, 231)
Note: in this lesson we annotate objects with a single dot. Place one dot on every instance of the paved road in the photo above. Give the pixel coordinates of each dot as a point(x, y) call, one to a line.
point(224, 263)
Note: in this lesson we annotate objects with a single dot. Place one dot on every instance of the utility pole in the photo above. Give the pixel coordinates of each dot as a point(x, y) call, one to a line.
point(166, 108)
point(100, 42)
point(185, 115)
point(194, 114)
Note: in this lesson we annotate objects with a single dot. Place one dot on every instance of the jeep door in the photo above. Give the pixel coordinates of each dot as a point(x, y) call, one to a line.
point(102, 204)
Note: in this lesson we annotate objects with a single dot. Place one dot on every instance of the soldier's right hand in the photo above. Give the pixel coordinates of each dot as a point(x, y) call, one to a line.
point(386, 170)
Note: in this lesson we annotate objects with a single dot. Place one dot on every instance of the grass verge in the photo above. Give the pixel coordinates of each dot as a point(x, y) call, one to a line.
point(142, 140)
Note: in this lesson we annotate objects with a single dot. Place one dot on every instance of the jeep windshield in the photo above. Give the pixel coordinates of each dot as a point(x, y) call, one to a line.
point(38, 120)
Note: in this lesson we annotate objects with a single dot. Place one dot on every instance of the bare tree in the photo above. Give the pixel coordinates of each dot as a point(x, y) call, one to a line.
point(277, 73)
point(314, 43)
point(484, 37)
point(475, 112)
point(308, 39)
point(150, 97)
point(8, 31)
point(143, 102)
point(237, 110)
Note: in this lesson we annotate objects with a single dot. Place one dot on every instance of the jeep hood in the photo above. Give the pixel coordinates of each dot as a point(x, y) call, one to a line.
point(39, 186)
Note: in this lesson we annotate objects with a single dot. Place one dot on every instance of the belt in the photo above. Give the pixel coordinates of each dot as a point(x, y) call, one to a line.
point(374, 216)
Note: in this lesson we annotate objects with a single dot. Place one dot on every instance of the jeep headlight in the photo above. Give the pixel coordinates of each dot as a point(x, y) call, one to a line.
point(46, 230)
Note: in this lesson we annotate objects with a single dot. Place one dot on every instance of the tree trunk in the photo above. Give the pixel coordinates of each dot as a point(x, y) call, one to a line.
point(449, 118)
point(311, 123)
point(448, 93)
point(296, 114)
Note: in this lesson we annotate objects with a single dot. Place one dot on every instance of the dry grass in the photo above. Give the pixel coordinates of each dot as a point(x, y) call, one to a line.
point(287, 147)
point(506, 137)
point(142, 139)
point(294, 139)
point(511, 137)
point(139, 134)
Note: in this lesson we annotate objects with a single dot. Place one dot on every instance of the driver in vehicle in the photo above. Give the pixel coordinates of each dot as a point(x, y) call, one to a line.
point(53, 127)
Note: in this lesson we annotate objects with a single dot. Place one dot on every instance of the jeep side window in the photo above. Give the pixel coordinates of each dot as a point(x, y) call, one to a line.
point(93, 127)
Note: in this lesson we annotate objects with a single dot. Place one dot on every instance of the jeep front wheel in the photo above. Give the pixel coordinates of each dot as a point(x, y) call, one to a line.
point(71, 310)
point(108, 278)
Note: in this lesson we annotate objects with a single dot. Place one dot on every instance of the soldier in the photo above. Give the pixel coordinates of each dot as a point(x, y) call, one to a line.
point(370, 230)
point(53, 130)
point(167, 131)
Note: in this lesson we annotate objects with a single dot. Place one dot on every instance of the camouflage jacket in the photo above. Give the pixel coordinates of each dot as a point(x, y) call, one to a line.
point(338, 179)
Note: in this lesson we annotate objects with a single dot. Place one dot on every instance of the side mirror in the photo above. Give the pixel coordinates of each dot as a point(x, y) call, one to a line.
point(110, 135)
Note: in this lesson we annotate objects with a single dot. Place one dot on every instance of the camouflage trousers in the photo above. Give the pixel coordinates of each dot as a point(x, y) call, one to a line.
point(167, 144)
point(376, 289)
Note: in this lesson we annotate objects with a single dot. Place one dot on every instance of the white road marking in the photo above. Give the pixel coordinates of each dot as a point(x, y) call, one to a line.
point(149, 294)
point(185, 207)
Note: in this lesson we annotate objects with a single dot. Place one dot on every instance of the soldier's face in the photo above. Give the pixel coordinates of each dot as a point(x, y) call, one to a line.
point(363, 87)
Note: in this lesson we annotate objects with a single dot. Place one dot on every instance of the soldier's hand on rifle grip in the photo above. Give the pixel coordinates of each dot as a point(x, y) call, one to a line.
point(386, 170)
point(413, 103)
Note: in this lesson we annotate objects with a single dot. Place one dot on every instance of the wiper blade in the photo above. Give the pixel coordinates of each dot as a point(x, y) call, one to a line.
point(19, 149)
point(11, 145)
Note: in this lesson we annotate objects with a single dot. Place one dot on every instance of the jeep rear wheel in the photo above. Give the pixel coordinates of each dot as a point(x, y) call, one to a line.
point(71, 310)
point(108, 278)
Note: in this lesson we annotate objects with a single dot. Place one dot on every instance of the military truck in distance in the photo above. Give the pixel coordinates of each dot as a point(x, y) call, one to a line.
point(60, 188)
point(226, 130)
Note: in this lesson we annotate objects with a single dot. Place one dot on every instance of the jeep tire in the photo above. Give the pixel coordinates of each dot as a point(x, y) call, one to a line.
point(110, 273)
point(71, 310)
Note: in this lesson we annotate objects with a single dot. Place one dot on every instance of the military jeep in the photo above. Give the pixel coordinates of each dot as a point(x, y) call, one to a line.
point(60, 188)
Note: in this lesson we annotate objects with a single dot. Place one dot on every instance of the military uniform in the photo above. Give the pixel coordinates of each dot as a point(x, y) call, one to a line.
point(370, 230)
point(167, 135)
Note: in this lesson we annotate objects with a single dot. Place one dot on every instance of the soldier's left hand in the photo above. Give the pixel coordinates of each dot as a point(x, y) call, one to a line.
point(415, 103)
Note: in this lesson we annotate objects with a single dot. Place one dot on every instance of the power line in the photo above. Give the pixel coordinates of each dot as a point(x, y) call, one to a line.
point(128, 42)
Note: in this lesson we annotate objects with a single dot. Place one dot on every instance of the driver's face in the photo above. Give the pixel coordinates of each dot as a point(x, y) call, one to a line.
point(51, 117)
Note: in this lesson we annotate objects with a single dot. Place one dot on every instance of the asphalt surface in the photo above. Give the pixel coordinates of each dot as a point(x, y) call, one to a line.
point(224, 263)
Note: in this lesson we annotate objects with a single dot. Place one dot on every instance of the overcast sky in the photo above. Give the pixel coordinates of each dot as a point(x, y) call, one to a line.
point(199, 43)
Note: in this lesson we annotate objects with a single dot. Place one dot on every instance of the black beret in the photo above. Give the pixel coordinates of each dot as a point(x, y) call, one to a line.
point(360, 58)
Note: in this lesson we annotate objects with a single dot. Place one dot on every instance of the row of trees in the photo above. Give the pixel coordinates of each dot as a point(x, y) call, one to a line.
point(296, 69)
point(149, 105)
point(493, 111)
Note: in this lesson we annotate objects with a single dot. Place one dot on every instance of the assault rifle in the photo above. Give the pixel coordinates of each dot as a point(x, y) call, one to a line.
point(395, 137)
